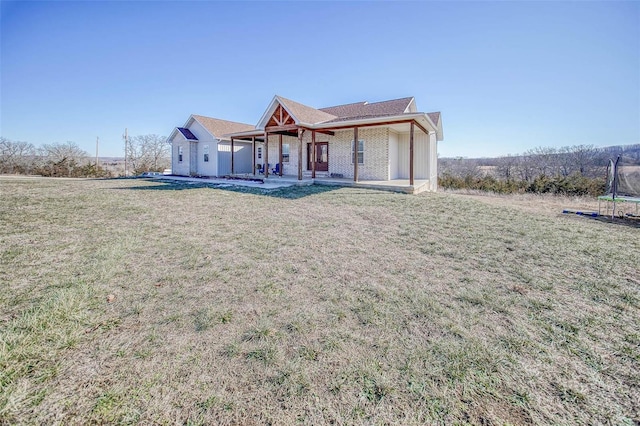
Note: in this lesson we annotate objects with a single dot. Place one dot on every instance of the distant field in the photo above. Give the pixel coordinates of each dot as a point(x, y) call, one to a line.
point(311, 305)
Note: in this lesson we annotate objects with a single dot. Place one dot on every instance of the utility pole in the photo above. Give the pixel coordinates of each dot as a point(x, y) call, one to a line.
point(125, 152)
point(97, 139)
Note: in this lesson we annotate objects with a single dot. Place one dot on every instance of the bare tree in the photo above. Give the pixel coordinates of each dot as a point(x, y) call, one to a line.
point(459, 167)
point(148, 153)
point(63, 158)
point(544, 160)
point(506, 167)
point(584, 159)
point(16, 156)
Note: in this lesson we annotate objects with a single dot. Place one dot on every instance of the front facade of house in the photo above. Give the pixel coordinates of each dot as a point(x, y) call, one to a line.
point(395, 142)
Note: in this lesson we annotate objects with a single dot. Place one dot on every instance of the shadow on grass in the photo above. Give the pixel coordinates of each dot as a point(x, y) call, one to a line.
point(621, 221)
point(631, 223)
point(290, 192)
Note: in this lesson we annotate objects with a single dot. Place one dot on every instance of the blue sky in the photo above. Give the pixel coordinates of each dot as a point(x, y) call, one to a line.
point(507, 76)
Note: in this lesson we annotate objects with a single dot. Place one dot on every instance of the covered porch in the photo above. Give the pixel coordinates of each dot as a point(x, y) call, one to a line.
point(334, 150)
point(302, 152)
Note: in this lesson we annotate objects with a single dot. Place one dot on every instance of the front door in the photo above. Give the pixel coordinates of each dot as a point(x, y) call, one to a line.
point(322, 157)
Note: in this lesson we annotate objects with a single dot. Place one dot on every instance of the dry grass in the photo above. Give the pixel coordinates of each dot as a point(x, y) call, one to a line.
point(310, 305)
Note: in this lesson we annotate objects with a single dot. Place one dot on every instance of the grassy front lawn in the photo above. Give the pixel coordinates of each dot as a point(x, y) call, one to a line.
point(127, 301)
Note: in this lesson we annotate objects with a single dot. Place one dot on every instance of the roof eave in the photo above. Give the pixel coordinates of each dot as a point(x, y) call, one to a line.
point(171, 135)
point(257, 132)
point(374, 120)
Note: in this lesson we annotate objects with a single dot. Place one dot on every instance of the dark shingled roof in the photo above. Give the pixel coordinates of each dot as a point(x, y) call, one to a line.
point(434, 116)
point(367, 110)
point(187, 134)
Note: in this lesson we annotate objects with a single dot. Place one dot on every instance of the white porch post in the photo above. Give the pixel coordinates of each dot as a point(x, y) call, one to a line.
point(411, 130)
point(433, 160)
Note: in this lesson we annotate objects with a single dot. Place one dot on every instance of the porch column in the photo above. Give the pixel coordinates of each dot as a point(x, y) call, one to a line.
point(232, 156)
point(280, 159)
point(355, 154)
point(433, 160)
point(253, 162)
point(300, 133)
point(411, 154)
point(313, 154)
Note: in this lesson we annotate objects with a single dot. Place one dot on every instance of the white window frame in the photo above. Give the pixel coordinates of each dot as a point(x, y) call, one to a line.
point(286, 153)
point(360, 141)
point(259, 152)
point(179, 154)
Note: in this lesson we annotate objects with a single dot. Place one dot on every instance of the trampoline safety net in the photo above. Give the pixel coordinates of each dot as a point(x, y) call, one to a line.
point(623, 178)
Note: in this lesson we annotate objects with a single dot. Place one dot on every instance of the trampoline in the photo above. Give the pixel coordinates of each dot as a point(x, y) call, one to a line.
point(623, 189)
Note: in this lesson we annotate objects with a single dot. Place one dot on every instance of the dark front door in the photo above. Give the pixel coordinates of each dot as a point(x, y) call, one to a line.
point(322, 157)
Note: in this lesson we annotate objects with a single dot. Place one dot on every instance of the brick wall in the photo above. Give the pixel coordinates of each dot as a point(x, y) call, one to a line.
point(290, 168)
point(376, 153)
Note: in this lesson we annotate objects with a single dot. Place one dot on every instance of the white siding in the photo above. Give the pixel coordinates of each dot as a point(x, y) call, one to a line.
point(241, 158)
point(179, 168)
point(403, 156)
point(433, 161)
point(420, 155)
point(207, 168)
point(200, 132)
point(193, 158)
point(393, 155)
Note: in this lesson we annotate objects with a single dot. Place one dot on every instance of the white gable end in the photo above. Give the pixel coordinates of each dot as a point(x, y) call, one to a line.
point(199, 131)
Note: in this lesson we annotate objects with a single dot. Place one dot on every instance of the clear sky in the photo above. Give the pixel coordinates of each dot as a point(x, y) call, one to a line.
point(507, 76)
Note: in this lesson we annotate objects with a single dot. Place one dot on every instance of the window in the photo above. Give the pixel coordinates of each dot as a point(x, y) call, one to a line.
point(206, 153)
point(259, 153)
point(360, 152)
point(285, 152)
point(180, 154)
point(206, 158)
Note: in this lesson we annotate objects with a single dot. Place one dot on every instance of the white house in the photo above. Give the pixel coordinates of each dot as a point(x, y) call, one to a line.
point(201, 148)
point(396, 144)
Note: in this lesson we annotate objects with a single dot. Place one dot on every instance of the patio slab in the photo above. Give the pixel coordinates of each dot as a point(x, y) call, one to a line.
point(277, 182)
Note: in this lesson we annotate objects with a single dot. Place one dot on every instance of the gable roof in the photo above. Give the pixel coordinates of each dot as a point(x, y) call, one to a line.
point(435, 117)
point(219, 128)
point(366, 109)
point(358, 113)
point(187, 134)
point(299, 112)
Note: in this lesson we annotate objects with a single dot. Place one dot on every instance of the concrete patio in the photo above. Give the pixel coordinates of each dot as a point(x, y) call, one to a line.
point(277, 182)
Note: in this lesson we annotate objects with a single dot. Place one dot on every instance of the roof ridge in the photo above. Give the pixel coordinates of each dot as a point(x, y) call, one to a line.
point(220, 119)
point(341, 105)
point(391, 100)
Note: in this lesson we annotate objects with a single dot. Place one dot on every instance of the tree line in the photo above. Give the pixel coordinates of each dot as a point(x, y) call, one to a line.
point(144, 153)
point(570, 170)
